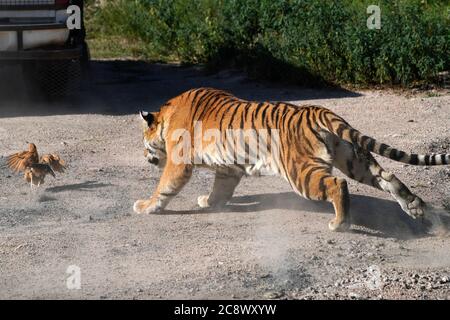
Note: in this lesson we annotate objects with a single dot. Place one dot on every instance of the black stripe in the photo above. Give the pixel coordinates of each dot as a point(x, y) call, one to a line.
point(346, 197)
point(443, 159)
point(353, 134)
point(282, 158)
point(214, 106)
point(263, 116)
point(210, 105)
point(340, 130)
point(250, 112)
point(222, 105)
point(256, 112)
point(233, 115)
point(383, 148)
point(284, 117)
point(321, 114)
point(334, 120)
point(195, 97)
point(393, 154)
point(308, 125)
point(319, 160)
point(363, 141)
point(269, 139)
point(318, 137)
point(291, 118)
point(371, 145)
point(414, 159)
point(275, 115)
point(308, 180)
point(327, 120)
point(244, 115)
point(228, 145)
point(433, 160)
point(233, 105)
point(323, 188)
point(427, 160)
point(396, 155)
point(203, 101)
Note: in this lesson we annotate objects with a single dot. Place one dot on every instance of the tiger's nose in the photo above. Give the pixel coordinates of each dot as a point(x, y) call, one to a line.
point(153, 160)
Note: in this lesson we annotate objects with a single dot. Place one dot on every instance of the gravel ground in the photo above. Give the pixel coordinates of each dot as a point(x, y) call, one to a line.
point(268, 243)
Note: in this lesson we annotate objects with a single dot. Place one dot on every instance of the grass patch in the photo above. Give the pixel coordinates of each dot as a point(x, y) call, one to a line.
point(294, 40)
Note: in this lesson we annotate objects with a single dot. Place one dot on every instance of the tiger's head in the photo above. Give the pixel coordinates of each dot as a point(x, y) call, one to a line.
point(154, 141)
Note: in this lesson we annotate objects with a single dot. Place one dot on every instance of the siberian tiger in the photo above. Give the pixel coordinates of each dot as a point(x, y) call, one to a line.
point(311, 141)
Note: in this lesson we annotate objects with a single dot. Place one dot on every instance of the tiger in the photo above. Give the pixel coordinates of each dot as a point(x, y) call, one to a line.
point(312, 140)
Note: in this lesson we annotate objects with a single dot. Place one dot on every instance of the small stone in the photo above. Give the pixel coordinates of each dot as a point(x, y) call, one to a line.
point(353, 295)
point(444, 280)
point(273, 295)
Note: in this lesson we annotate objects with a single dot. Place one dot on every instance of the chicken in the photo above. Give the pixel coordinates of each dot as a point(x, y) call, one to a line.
point(35, 169)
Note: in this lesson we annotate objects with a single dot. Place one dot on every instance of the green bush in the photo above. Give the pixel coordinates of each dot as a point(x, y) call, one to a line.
point(296, 40)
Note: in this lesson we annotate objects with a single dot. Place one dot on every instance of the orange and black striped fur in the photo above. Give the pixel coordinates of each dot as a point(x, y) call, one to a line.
point(312, 140)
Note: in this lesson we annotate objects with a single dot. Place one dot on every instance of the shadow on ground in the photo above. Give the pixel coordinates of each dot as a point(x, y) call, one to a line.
point(84, 186)
point(377, 217)
point(123, 87)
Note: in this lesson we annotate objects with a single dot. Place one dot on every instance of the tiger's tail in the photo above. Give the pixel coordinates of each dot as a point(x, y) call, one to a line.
point(338, 126)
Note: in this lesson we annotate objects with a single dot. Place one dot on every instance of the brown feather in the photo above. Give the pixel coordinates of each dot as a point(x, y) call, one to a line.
point(22, 160)
point(54, 161)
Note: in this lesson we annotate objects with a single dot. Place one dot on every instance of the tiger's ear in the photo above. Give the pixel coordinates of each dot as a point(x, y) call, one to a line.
point(147, 117)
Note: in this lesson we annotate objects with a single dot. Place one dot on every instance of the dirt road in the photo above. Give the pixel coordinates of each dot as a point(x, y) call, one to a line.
point(269, 243)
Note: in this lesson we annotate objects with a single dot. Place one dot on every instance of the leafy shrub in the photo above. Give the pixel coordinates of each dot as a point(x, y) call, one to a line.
point(295, 39)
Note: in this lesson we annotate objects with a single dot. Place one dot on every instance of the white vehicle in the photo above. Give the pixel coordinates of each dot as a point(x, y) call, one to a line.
point(34, 33)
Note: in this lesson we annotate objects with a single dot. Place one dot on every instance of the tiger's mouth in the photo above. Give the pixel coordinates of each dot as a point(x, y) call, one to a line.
point(154, 155)
point(154, 159)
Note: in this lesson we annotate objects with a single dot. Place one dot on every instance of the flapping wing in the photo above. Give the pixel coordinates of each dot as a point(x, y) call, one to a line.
point(54, 161)
point(21, 161)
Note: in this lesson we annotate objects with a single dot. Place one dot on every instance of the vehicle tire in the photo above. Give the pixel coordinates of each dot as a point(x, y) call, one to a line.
point(53, 79)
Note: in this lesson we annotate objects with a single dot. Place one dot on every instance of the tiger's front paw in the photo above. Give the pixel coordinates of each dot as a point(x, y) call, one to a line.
point(338, 226)
point(203, 201)
point(145, 206)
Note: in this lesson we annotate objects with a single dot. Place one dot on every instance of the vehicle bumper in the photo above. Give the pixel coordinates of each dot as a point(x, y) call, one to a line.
point(14, 38)
point(41, 54)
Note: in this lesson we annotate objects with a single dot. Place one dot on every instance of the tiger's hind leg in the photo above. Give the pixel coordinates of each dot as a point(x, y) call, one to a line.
point(225, 182)
point(313, 180)
point(362, 167)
